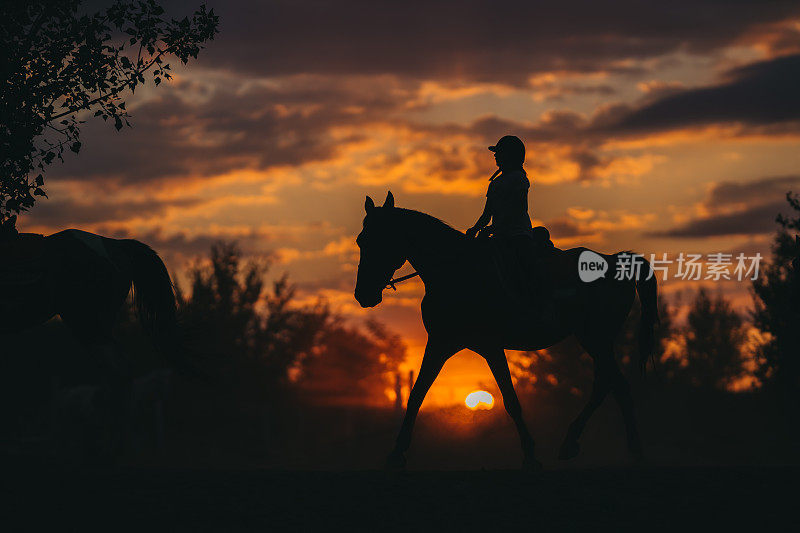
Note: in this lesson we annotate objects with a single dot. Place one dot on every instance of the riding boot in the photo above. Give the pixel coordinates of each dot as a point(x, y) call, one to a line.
point(545, 304)
point(535, 278)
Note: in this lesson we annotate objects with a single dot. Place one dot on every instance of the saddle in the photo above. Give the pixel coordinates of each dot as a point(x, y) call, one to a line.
point(529, 271)
point(22, 259)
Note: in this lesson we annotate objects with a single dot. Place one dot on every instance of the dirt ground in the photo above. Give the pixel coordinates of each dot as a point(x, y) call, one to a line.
point(645, 499)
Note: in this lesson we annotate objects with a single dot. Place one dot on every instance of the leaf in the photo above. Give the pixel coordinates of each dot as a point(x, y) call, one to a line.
point(40, 180)
point(75, 147)
point(39, 192)
point(117, 123)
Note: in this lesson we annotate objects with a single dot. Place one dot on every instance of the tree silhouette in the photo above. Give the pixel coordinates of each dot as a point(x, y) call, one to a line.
point(262, 342)
point(779, 364)
point(58, 66)
point(253, 335)
point(712, 345)
point(352, 365)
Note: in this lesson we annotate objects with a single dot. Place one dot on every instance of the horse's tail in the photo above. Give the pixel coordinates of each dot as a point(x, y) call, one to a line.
point(647, 288)
point(153, 296)
point(156, 306)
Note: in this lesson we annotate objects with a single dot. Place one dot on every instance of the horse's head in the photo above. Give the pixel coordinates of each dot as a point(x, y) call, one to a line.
point(796, 275)
point(380, 253)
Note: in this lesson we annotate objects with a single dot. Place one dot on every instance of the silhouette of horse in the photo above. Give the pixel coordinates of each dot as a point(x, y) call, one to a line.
point(84, 278)
point(465, 307)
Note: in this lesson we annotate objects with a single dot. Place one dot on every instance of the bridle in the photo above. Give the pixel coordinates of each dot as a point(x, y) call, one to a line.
point(392, 281)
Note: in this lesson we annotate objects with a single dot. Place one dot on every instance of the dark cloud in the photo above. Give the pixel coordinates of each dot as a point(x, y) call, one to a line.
point(566, 228)
point(761, 97)
point(177, 248)
point(193, 130)
point(756, 94)
point(739, 208)
point(74, 213)
point(752, 221)
point(230, 128)
point(761, 190)
point(551, 90)
point(470, 39)
point(191, 246)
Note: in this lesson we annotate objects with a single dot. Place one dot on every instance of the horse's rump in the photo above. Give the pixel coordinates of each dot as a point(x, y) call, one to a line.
point(22, 260)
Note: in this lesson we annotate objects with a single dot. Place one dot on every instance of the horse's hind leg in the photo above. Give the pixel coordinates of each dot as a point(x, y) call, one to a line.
point(94, 332)
point(116, 394)
point(622, 393)
point(496, 358)
point(571, 446)
point(608, 378)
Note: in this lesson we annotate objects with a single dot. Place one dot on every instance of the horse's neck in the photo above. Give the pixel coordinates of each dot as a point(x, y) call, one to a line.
point(436, 251)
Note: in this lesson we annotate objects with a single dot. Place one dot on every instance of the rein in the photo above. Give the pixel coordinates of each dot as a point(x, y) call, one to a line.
point(398, 280)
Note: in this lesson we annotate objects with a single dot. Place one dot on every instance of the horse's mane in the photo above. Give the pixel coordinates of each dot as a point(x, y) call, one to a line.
point(429, 222)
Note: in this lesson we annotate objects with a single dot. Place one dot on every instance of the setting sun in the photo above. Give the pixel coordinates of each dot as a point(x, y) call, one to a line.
point(479, 399)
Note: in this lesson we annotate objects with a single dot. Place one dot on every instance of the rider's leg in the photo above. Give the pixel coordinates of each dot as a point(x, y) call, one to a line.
point(535, 276)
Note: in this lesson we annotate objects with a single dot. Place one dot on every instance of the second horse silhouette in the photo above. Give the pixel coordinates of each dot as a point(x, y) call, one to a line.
point(462, 309)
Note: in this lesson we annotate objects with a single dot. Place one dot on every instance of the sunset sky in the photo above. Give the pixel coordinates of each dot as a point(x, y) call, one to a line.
point(653, 126)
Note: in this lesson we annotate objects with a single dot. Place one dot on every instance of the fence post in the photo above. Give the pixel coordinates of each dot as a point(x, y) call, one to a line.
point(398, 390)
point(410, 384)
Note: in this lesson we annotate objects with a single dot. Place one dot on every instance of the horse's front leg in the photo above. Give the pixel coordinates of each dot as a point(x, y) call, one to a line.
point(436, 354)
point(496, 357)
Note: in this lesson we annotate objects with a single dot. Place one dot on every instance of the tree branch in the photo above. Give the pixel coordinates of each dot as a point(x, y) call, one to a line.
point(113, 92)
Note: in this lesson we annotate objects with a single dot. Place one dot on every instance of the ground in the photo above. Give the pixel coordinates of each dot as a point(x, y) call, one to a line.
point(644, 499)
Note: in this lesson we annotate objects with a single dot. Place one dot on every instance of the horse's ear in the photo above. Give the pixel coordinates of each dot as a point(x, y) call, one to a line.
point(389, 200)
point(369, 205)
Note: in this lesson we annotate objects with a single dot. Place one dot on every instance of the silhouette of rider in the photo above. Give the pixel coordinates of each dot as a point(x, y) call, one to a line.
point(507, 210)
point(507, 197)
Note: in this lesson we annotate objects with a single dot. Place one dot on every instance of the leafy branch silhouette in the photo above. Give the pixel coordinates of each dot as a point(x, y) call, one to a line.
point(60, 66)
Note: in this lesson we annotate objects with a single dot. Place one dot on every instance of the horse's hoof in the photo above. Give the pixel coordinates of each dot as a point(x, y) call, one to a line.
point(569, 449)
point(395, 462)
point(530, 464)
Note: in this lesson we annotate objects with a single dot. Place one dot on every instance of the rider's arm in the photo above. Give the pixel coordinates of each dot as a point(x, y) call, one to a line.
point(482, 222)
